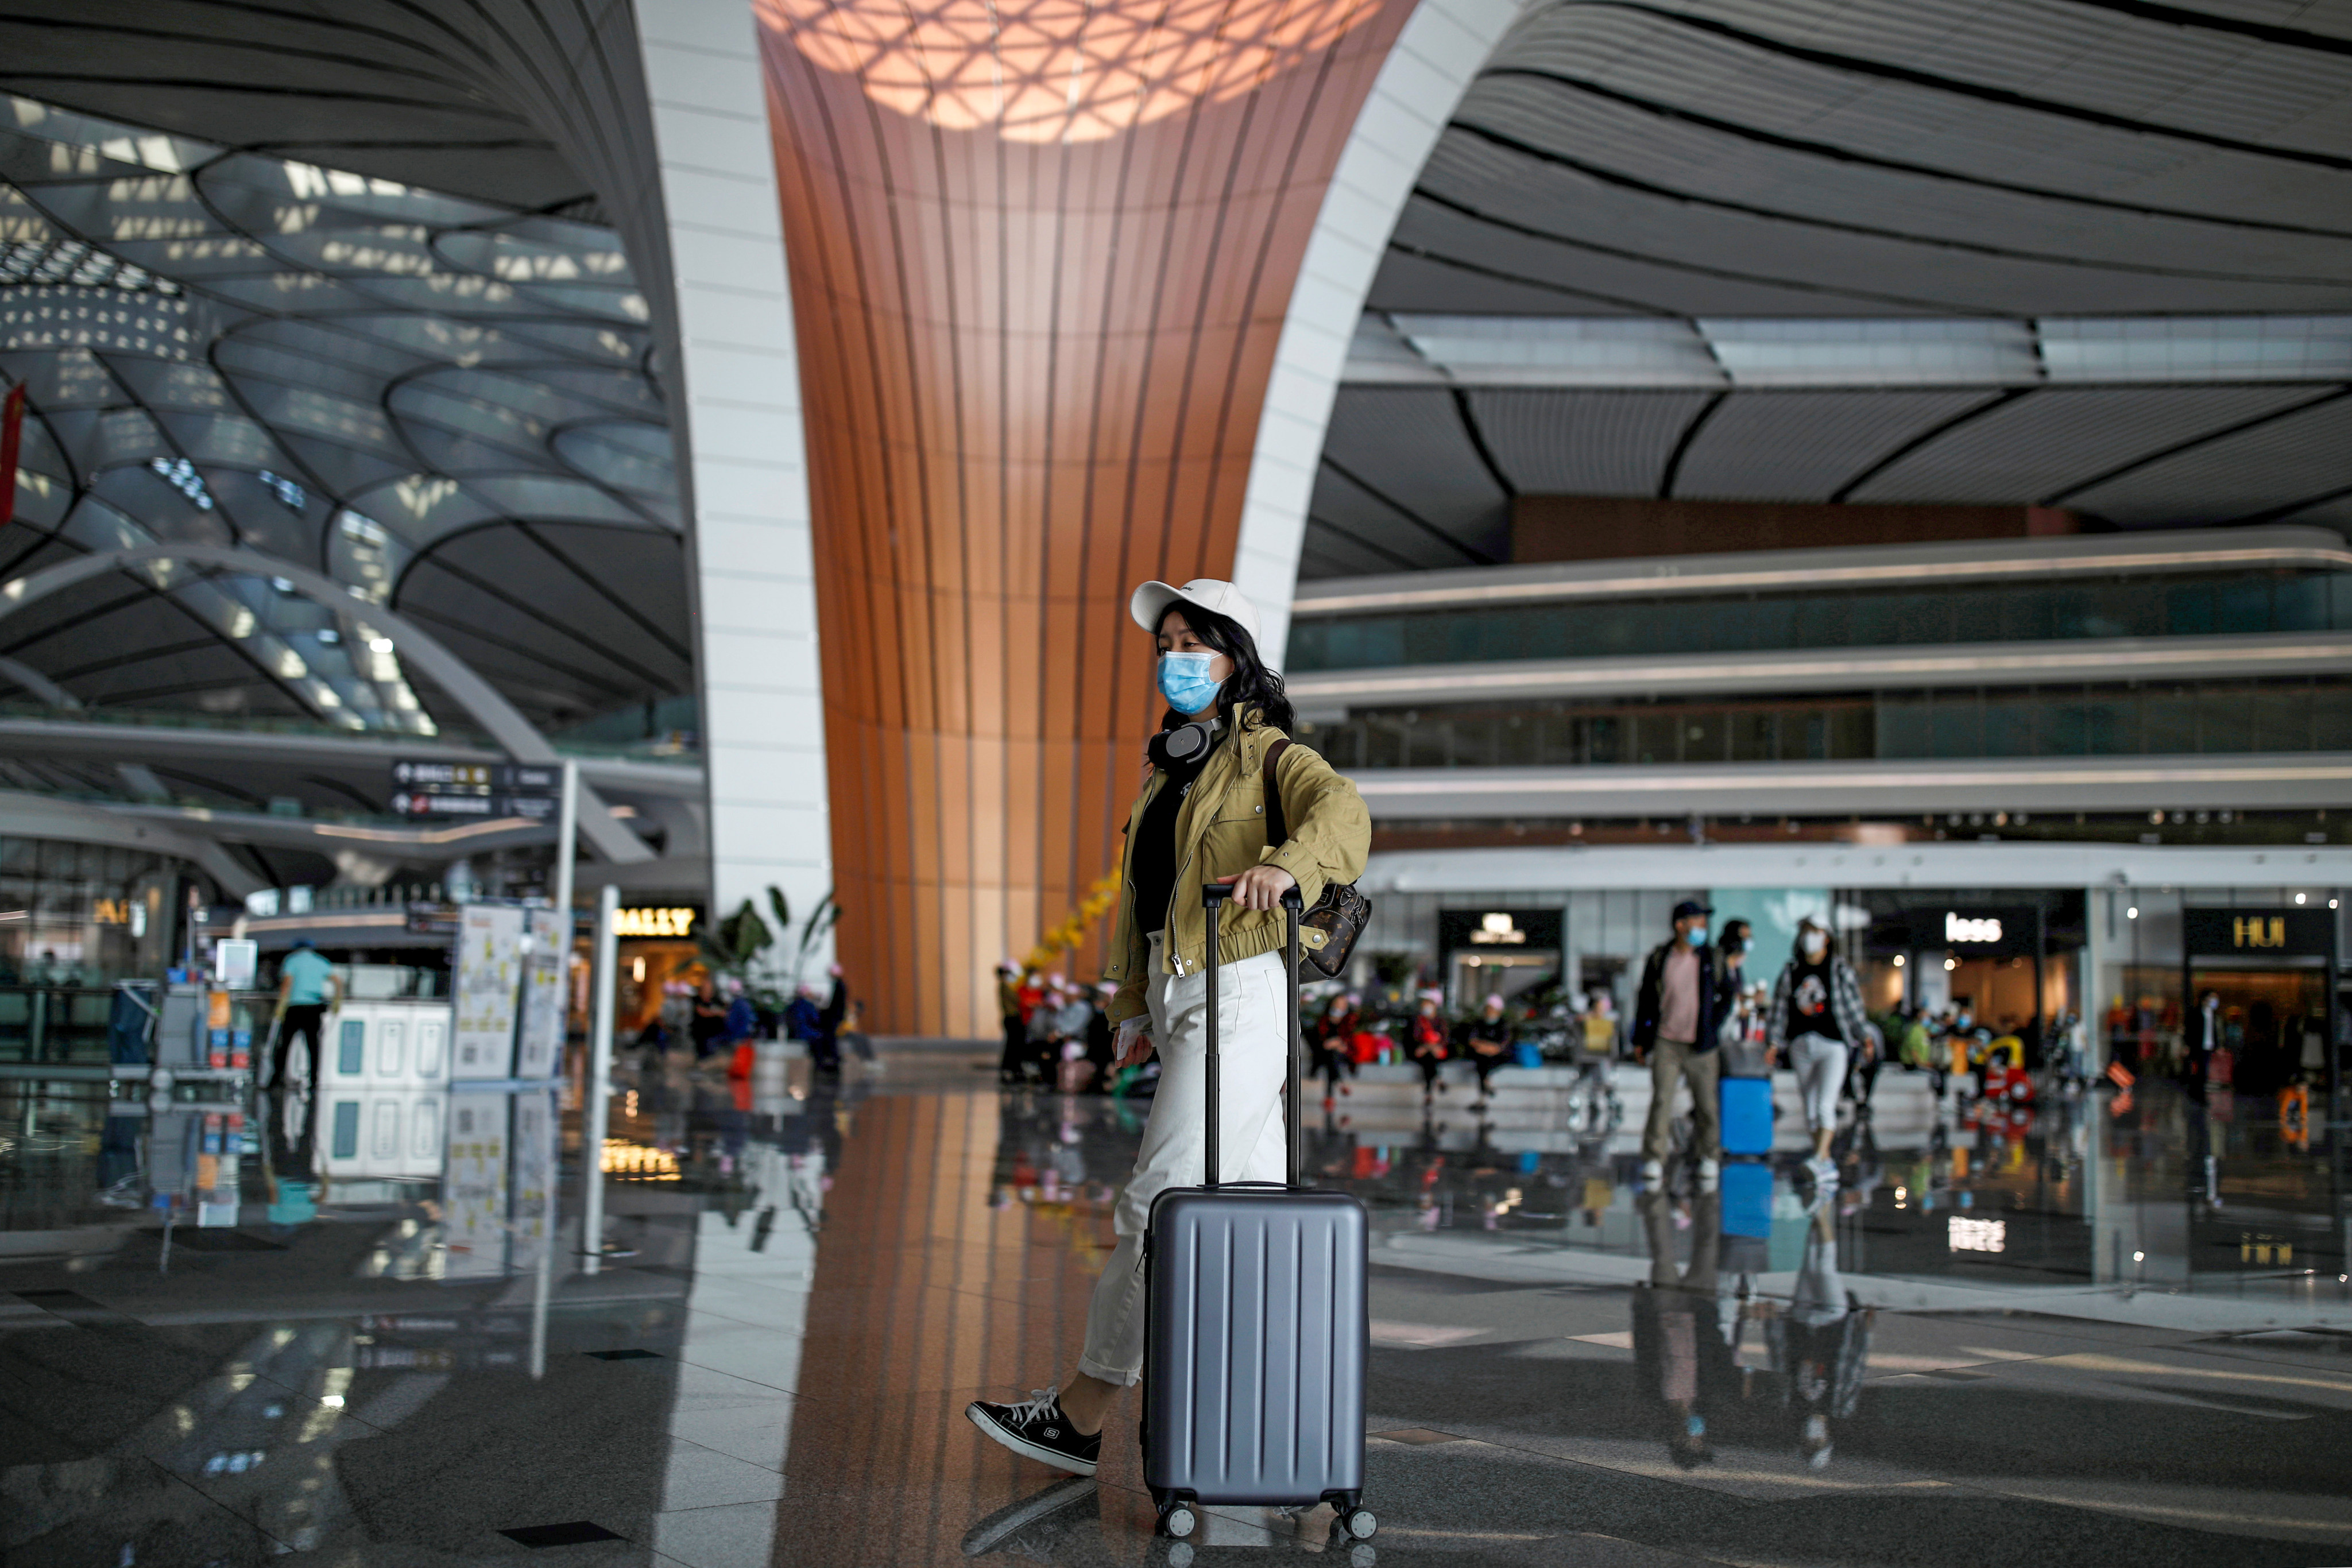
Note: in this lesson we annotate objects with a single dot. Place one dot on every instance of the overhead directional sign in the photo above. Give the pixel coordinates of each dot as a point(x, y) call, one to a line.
point(424, 787)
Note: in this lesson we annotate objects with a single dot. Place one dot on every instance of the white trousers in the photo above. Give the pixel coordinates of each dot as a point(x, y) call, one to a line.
point(1252, 1033)
point(1819, 1064)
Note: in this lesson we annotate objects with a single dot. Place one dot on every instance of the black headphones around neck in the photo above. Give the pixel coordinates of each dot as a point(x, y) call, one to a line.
point(1185, 743)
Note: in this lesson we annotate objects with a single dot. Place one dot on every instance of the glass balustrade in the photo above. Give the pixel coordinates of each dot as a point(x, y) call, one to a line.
point(2166, 606)
point(2155, 719)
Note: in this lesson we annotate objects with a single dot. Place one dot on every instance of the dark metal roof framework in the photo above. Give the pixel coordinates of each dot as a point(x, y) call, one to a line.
point(2008, 159)
point(446, 404)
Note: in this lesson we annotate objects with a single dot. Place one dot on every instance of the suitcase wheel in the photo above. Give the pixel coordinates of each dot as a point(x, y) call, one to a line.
point(1178, 1520)
point(1359, 1523)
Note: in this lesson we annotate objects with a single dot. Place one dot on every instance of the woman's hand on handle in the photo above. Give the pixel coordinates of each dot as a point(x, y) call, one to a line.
point(1261, 886)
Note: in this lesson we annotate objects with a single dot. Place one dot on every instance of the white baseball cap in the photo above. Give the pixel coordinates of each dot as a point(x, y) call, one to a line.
point(1152, 601)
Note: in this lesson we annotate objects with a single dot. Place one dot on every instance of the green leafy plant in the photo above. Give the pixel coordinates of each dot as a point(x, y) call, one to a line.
point(744, 945)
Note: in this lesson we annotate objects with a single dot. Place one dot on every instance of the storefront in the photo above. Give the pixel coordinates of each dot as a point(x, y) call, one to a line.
point(1497, 952)
point(2267, 954)
point(2267, 970)
point(2012, 959)
point(74, 919)
point(660, 962)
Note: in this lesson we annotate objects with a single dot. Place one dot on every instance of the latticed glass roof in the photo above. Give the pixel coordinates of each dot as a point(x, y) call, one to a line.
point(446, 404)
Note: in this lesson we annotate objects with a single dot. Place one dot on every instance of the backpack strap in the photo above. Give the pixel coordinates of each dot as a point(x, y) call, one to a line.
point(1277, 831)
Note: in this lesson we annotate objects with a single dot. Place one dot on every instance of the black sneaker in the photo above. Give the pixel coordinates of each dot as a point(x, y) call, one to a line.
point(1035, 1526)
point(1037, 1429)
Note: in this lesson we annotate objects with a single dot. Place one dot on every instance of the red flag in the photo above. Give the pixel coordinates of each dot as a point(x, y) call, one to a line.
point(12, 432)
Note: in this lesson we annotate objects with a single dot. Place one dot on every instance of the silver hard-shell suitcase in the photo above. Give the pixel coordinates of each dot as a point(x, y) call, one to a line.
point(1254, 1328)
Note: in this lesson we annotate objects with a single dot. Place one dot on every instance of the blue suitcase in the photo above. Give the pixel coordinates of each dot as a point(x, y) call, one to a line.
point(1747, 1115)
point(1255, 1328)
point(1747, 1199)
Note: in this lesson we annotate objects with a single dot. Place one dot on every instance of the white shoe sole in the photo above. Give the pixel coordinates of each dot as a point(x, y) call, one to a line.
point(1026, 1449)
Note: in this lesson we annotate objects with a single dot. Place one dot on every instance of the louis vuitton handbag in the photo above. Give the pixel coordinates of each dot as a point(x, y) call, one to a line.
point(1339, 916)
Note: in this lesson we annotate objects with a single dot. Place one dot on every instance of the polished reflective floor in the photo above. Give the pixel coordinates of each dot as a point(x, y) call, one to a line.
point(2085, 1331)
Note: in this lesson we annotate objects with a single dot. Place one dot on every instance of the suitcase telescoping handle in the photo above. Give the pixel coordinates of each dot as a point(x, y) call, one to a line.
point(1294, 1143)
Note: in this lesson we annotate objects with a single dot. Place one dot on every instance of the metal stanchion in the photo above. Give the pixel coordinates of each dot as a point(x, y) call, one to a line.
point(567, 841)
point(543, 1285)
point(599, 1088)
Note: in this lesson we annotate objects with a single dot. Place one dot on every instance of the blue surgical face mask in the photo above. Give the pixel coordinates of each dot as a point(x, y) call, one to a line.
point(1186, 683)
point(1696, 937)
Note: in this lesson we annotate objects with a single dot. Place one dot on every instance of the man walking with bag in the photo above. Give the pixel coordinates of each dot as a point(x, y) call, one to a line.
point(1675, 1019)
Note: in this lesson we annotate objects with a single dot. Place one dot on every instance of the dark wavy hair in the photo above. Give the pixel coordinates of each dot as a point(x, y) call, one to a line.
point(1251, 684)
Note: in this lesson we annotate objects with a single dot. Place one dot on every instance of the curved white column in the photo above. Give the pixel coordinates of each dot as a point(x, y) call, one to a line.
point(743, 470)
point(1443, 43)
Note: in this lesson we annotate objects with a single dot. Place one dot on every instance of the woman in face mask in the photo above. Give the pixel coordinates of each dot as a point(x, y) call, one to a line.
point(1201, 818)
point(1331, 1043)
point(1816, 1013)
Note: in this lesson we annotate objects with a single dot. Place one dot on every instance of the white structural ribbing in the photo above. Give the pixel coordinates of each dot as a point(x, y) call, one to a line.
point(738, 392)
point(1443, 43)
point(2017, 863)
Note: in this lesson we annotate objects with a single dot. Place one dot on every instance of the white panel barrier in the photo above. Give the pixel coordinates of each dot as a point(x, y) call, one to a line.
point(382, 1085)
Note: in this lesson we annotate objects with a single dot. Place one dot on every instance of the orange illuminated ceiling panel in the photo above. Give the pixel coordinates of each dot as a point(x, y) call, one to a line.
point(1041, 256)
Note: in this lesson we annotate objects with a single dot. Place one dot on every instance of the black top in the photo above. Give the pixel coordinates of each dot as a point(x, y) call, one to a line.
point(1152, 866)
point(1813, 1002)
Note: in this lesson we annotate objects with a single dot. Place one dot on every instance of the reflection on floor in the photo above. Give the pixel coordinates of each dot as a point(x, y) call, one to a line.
point(2089, 1333)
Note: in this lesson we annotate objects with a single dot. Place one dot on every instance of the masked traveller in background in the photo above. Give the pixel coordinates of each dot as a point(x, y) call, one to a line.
point(1331, 1043)
point(1201, 818)
point(1486, 1041)
point(1425, 1042)
point(1675, 1018)
point(1016, 1026)
point(1816, 1013)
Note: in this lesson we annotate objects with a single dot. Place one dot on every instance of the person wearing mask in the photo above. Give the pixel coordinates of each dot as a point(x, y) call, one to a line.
point(1045, 1028)
point(741, 1024)
point(804, 1018)
point(1100, 1046)
point(1198, 821)
point(710, 1017)
point(307, 987)
point(1731, 956)
point(1425, 1043)
point(824, 1050)
point(1675, 1019)
point(1070, 1021)
point(1487, 1040)
point(1916, 1042)
point(1331, 1045)
point(1816, 1015)
point(1869, 1055)
point(2202, 1037)
point(1016, 1029)
point(1599, 1024)
point(1736, 1018)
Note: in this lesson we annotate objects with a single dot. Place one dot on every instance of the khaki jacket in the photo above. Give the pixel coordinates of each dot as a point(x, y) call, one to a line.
point(1219, 832)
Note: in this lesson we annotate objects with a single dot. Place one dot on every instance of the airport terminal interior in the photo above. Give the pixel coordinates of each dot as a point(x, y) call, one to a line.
point(571, 711)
